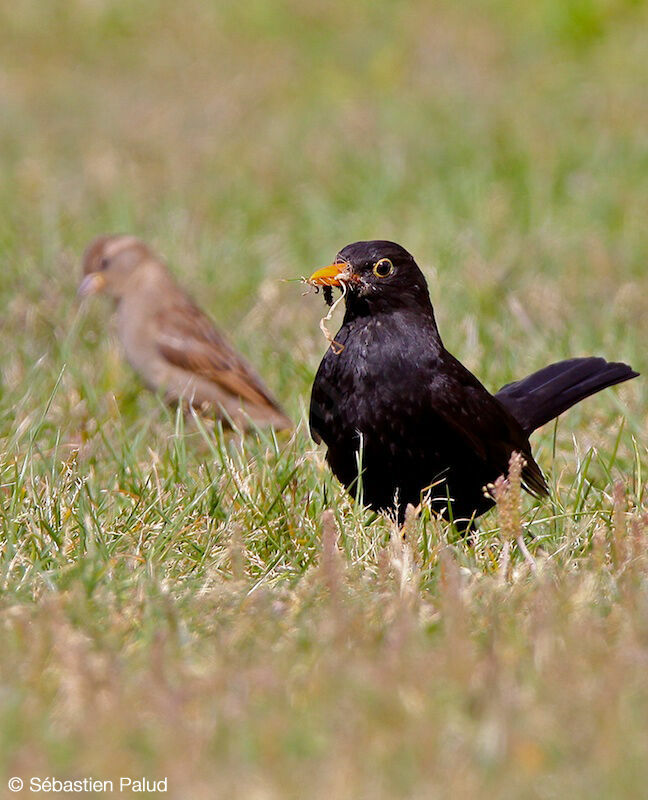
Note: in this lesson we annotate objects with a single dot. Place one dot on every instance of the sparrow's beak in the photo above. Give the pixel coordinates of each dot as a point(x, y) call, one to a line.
point(91, 284)
point(335, 275)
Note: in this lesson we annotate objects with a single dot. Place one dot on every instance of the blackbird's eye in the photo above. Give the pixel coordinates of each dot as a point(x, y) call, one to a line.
point(383, 268)
point(103, 263)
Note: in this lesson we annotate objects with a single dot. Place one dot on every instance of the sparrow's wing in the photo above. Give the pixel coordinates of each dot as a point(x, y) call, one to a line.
point(188, 339)
point(481, 421)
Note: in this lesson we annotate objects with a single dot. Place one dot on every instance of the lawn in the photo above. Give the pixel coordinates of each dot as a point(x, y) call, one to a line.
point(179, 603)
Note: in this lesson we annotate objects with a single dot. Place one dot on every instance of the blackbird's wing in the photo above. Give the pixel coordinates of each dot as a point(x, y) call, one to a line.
point(455, 401)
point(483, 423)
point(188, 339)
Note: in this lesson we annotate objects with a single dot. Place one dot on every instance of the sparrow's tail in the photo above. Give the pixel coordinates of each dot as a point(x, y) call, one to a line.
point(548, 392)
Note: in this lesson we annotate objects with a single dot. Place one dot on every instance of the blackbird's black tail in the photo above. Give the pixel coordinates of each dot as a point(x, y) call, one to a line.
point(545, 394)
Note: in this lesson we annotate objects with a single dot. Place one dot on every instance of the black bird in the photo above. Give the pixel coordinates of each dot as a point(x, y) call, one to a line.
point(388, 398)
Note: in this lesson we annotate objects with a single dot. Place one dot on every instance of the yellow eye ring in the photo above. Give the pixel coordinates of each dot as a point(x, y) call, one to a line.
point(383, 268)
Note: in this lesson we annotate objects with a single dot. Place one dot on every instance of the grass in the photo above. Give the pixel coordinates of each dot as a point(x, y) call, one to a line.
point(178, 603)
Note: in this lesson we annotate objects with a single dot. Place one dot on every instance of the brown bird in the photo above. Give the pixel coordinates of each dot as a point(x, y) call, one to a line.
point(169, 341)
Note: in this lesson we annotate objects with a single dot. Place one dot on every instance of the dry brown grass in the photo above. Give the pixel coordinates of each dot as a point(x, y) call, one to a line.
point(349, 684)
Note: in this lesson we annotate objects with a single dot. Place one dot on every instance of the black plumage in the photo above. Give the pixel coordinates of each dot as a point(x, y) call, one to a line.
point(391, 398)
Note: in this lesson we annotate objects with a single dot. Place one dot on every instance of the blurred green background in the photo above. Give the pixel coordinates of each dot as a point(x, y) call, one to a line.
point(505, 146)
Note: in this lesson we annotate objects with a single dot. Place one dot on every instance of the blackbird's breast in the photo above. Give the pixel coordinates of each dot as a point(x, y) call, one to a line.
point(371, 398)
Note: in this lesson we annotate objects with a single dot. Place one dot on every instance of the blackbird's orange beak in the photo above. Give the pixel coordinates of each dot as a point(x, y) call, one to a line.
point(335, 275)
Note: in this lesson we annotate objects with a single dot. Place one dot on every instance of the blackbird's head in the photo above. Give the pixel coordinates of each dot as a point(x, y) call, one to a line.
point(109, 263)
point(377, 276)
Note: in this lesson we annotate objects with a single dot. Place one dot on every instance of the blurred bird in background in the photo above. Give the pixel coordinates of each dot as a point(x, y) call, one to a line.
point(169, 341)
